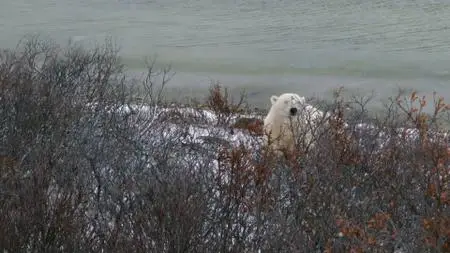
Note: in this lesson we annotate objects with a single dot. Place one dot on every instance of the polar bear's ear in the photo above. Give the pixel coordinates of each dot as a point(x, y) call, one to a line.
point(273, 99)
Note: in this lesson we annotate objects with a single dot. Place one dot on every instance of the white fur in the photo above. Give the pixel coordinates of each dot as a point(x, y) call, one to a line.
point(283, 129)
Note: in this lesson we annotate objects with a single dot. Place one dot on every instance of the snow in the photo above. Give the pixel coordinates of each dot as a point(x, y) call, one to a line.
point(208, 126)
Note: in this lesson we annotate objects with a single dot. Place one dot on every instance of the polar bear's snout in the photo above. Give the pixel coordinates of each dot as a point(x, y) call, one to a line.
point(293, 111)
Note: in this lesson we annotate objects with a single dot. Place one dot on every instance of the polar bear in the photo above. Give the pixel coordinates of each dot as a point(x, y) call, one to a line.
point(289, 120)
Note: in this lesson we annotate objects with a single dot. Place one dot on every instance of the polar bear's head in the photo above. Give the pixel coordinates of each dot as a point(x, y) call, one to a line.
point(288, 104)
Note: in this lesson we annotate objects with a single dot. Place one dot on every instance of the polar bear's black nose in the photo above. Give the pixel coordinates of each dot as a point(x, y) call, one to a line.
point(293, 111)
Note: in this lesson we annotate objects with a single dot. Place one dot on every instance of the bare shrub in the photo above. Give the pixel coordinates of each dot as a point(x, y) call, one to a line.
point(92, 161)
point(72, 152)
point(222, 104)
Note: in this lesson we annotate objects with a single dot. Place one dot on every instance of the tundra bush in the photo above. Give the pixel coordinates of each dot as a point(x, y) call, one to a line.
point(87, 166)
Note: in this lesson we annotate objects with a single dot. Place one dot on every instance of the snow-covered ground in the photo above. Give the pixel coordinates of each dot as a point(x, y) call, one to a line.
point(199, 125)
point(206, 124)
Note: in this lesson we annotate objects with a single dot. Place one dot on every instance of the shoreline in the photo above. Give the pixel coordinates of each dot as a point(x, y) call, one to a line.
point(259, 88)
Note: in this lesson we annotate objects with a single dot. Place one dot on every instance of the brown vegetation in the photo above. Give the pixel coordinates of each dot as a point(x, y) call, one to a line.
point(252, 125)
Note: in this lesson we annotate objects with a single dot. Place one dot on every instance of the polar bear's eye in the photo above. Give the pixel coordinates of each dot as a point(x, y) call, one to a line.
point(286, 102)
